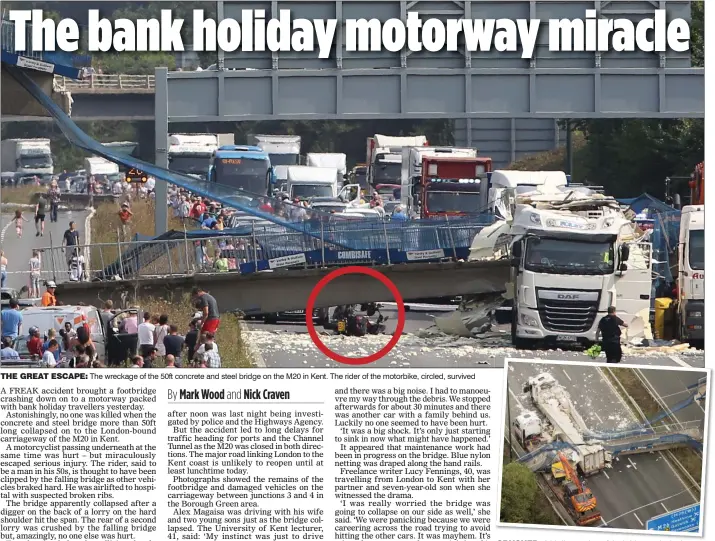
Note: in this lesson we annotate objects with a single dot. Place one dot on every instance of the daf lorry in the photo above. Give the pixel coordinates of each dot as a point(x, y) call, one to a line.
point(281, 149)
point(28, 158)
point(690, 305)
point(384, 157)
point(191, 153)
point(573, 255)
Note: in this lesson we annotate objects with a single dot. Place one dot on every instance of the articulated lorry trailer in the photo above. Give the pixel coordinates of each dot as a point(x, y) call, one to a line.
point(561, 423)
point(28, 158)
point(281, 149)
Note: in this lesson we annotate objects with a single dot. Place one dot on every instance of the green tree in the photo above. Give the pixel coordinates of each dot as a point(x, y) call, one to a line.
point(519, 494)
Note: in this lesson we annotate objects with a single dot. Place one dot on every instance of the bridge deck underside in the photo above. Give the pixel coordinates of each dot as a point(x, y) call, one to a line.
point(289, 290)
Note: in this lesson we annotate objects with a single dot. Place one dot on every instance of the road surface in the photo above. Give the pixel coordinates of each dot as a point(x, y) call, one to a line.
point(19, 251)
point(670, 389)
point(287, 345)
point(635, 488)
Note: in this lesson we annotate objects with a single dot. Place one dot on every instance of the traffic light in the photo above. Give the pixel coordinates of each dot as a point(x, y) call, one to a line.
point(135, 176)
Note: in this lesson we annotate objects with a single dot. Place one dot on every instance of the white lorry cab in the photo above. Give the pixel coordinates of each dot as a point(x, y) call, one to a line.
point(55, 317)
point(305, 182)
point(191, 153)
point(281, 149)
point(691, 275)
point(384, 157)
point(572, 258)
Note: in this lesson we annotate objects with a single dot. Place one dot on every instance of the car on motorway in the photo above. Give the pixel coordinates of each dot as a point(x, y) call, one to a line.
point(328, 205)
point(25, 360)
point(387, 191)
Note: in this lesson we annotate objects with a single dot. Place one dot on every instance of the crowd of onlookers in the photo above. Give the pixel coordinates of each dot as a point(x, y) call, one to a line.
point(155, 340)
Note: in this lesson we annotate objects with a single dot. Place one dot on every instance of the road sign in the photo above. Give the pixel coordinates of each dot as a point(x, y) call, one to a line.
point(135, 176)
point(685, 519)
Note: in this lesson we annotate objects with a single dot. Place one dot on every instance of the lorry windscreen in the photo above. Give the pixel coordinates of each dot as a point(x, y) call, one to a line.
point(35, 161)
point(306, 191)
point(190, 165)
point(696, 251)
point(386, 172)
point(557, 256)
point(247, 174)
point(439, 200)
point(284, 159)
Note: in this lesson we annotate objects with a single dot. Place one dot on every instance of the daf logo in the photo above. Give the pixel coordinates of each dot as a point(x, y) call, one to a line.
point(567, 297)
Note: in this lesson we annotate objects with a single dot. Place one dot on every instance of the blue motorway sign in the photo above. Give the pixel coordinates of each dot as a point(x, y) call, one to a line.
point(686, 519)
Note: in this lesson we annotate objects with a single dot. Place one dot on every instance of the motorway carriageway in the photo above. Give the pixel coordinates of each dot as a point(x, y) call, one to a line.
point(636, 488)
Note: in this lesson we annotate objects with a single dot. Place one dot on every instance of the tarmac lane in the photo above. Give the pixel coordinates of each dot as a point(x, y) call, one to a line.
point(635, 488)
point(670, 388)
point(19, 251)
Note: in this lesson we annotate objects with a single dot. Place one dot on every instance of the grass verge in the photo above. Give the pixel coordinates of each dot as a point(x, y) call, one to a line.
point(105, 226)
point(20, 195)
point(634, 388)
point(232, 347)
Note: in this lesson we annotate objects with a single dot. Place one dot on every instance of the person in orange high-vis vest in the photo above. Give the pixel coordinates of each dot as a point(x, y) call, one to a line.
point(48, 297)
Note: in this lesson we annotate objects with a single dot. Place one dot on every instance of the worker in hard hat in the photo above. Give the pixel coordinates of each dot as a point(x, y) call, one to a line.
point(48, 297)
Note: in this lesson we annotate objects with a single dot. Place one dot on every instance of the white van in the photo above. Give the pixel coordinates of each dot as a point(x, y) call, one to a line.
point(55, 317)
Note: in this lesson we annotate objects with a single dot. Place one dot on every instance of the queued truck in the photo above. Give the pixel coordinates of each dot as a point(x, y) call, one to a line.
point(191, 153)
point(28, 158)
point(690, 304)
point(453, 185)
point(333, 160)
point(384, 157)
point(244, 168)
point(281, 149)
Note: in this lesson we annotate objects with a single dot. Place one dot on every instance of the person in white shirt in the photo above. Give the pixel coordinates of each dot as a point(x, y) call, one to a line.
point(208, 339)
point(161, 331)
point(117, 188)
point(48, 357)
point(35, 267)
point(77, 267)
point(146, 336)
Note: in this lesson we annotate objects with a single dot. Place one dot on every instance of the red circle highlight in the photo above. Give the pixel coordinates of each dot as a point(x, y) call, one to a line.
point(355, 361)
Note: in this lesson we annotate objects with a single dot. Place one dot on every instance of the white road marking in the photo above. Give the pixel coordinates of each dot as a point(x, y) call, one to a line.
point(604, 522)
point(606, 475)
point(632, 464)
point(664, 507)
point(4, 229)
point(638, 519)
point(597, 417)
point(679, 361)
point(649, 504)
point(565, 374)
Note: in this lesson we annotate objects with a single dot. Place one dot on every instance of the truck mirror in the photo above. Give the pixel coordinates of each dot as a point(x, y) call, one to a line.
point(625, 253)
point(515, 262)
point(623, 267)
point(516, 250)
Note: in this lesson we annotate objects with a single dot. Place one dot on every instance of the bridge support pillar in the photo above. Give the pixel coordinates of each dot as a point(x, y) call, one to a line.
point(161, 155)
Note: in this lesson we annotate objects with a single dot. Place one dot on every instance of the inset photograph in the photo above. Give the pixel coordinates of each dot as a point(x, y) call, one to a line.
point(588, 446)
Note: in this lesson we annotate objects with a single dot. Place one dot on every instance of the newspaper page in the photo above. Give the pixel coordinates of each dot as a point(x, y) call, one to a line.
point(353, 271)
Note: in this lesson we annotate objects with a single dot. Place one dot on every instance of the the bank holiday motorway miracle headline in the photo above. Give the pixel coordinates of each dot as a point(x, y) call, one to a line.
point(256, 32)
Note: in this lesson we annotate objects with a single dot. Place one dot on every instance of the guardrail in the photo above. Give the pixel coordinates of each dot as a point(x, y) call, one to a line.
point(107, 82)
point(243, 254)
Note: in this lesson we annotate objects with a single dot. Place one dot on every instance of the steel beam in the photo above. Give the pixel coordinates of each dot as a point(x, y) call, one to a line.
point(425, 93)
point(161, 156)
point(289, 290)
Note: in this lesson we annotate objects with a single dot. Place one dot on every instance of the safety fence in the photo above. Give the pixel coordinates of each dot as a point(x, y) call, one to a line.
point(255, 249)
point(99, 81)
